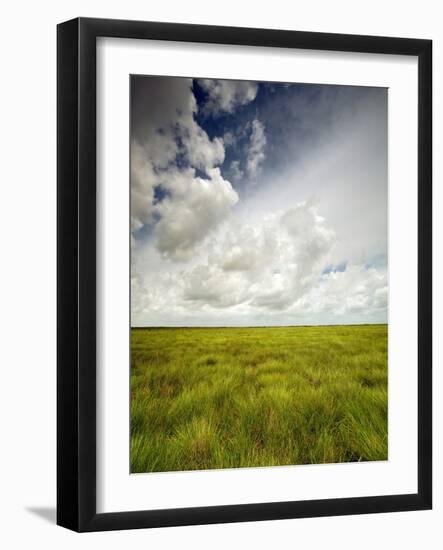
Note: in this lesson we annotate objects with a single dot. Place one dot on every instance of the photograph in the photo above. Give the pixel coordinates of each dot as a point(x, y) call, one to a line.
point(259, 274)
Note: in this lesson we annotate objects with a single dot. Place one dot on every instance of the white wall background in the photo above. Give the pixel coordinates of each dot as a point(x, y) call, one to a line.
point(27, 275)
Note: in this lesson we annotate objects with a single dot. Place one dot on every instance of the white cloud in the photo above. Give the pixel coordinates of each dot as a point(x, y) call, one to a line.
point(235, 172)
point(143, 181)
point(201, 152)
point(355, 290)
point(190, 206)
point(247, 248)
point(207, 285)
point(266, 265)
point(271, 268)
point(280, 255)
point(227, 95)
point(194, 208)
point(154, 143)
point(256, 154)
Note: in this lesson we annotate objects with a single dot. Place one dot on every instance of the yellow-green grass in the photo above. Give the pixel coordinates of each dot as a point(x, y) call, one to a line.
point(206, 398)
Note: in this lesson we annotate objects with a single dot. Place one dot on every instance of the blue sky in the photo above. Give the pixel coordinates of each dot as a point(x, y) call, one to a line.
point(257, 203)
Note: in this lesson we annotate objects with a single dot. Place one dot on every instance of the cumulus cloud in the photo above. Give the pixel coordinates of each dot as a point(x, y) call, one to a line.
point(143, 182)
point(202, 152)
point(195, 206)
point(208, 286)
point(272, 268)
point(257, 144)
point(249, 141)
point(167, 147)
point(356, 290)
point(279, 256)
point(235, 172)
point(227, 95)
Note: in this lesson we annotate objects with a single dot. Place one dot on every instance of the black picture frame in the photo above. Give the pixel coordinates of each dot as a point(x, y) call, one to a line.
point(76, 274)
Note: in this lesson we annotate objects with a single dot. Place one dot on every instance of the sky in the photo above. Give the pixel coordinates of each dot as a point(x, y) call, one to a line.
point(257, 203)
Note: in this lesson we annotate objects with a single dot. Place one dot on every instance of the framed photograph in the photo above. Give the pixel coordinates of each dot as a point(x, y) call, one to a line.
point(244, 274)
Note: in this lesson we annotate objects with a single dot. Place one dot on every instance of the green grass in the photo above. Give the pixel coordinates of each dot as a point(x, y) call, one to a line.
point(241, 397)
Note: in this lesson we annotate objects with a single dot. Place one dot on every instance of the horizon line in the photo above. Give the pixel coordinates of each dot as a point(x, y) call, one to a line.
point(261, 326)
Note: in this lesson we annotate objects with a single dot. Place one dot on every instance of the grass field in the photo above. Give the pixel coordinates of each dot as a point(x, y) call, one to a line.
point(241, 397)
